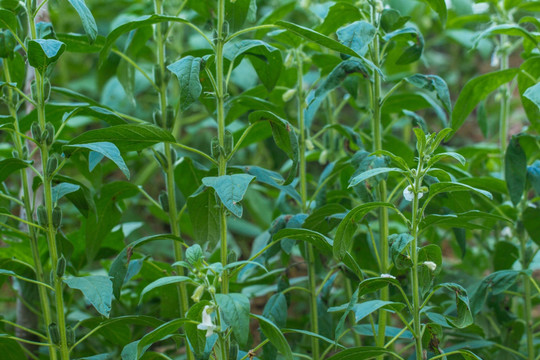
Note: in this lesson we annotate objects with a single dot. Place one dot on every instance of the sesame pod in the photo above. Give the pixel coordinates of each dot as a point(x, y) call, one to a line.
point(52, 164)
point(233, 350)
point(161, 159)
point(57, 217)
point(228, 142)
point(158, 76)
point(35, 129)
point(42, 217)
point(70, 336)
point(215, 148)
point(231, 257)
point(33, 90)
point(169, 117)
point(158, 119)
point(50, 134)
point(61, 266)
point(15, 154)
point(46, 89)
point(44, 135)
point(173, 156)
point(54, 334)
point(164, 201)
point(24, 152)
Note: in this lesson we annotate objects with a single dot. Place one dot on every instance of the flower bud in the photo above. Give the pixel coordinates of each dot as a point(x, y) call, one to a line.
point(199, 291)
point(288, 95)
point(158, 75)
point(70, 336)
point(430, 265)
point(158, 118)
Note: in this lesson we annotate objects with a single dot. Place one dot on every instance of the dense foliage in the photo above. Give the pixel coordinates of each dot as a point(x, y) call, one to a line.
point(269, 179)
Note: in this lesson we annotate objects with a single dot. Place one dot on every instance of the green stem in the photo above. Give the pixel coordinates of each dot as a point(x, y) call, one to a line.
point(415, 221)
point(505, 103)
point(527, 303)
point(169, 172)
point(376, 126)
point(222, 163)
point(310, 254)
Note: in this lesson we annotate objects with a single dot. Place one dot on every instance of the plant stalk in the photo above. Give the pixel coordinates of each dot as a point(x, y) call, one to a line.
point(415, 221)
point(310, 255)
point(504, 104)
point(169, 172)
point(527, 297)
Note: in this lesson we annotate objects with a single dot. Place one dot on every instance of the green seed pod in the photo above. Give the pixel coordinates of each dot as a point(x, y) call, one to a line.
point(46, 89)
point(42, 217)
point(15, 154)
point(57, 217)
point(52, 164)
point(158, 119)
point(169, 117)
point(33, 6)
point(228, 142)
point(33, 90)
point(24, 152)
point(173, 156)
point(161, 159)
point(158, 76)
point(164, 201)
point(231, 257)
point(35, 129)
point(233, 350)
point(54, 333)
point(70, 336)
point(50, 134)
point(61, 266)
point(44, 135)
point(215, 148)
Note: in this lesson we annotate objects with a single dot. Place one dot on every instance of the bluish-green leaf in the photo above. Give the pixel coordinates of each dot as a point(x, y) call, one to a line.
point(108, 150)
point(230, 189)
point(63, 189)
point(97, 289)
point(235, 310)
point(433, 83)
point(9, 166)
point(274, 334)
point(515, 170)
point(89, 24)
point(167, 280)
point(44, 52)
point(187, 71)
point(533, 94)
point(357, 36)
point(371, 173)
point(365, 308)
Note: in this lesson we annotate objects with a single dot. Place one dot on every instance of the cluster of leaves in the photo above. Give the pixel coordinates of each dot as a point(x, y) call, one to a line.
point(269, 179)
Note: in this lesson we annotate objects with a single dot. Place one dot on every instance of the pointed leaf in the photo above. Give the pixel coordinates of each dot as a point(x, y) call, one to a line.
point(89, 24)
point(44, 52)
point(97, 289)
point(235, 310)
point(515, 170)
point(274, 334)
point(363, 353)
point(108, 150)
point(187, 71)
point(9, 166)
point(230, 189)
point(357, 36)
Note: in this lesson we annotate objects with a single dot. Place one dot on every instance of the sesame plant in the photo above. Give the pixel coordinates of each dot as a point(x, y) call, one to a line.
point(269, 179)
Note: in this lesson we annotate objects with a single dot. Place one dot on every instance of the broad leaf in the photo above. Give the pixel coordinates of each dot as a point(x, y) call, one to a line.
point(167, 280)
point(274, 334)
point(235, 310)
point(44, 52)
point(357, 36)
point(371, 173)
point(204, 215)
point(108, 150)
point(439, 6)
point(187, 71)
point(230, 189)
point(464, 316)
point(515, 170)
point(63, 189)
point(96, 288)
point(9, 166)
point(433, 83)
point(89, 24)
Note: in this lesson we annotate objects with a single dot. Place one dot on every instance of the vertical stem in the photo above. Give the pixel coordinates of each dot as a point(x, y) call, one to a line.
point(47, 194)
point(222, 167)
point(377, 145)
point(310, 255)
point(417, 325)
point(505, 102)
point(169, 172)
point(527, 299)
point(43, 297)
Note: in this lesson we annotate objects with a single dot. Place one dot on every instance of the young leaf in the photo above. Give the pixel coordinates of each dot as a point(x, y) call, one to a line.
point(515, 170)
point(108, 150)
point(529, 72)
point(464, 316)
point(274, 334)
point(89, 24)
point(235, 310)
point(187, 71)
point(506, 29)
point(476, 90)
point(230, 189)
point(96, 288)
point(339, 13)
point(44, 52)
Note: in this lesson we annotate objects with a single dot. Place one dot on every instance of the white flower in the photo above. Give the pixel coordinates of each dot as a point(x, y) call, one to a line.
point(506, 232)
point(408, 193)
point(206, 323)
point(388, 276)
point(431, 265)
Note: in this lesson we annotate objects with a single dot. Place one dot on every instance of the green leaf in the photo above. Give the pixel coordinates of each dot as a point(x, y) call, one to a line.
point(398, 250)
point(368, 307)
point(533, 94)
point(439, 6)
point(357, 36)
point(273, 179)
point(530, 218)
point(10, 349)
point(108, 150)
point(79, 43)
point(9, 166)
point(371, 173)
point(130, 137)
point(506, 254)
point(373, 284)
point(8, 20)
point(476, 90)
point(145, 20)
point(533, 175)
point(230, 189)
point(136, 349)
point(340, 13)
point(97, 289)
point(89, 24)
point(204, 215)
point(44, 52)
point(266, 59)
point(362, 353)
point(167, 280)
point(494, 283)
point(119, 266)
point(332, 81)
point(442, 187)
point(237, 12)
point(529, 72)
point(433, 83)
point(235, 310)
point(187, 71)
point(63, 189)
point(506, 29)
point(414, 51)
point(284, 136)
point(515, 170)
point(275, 310)
point(462, 220)
point(464, 316)
point(20, 277)
point(274, 334)
point(348, 226)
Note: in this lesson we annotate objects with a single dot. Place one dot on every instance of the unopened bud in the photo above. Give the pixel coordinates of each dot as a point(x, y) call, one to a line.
point(199, 291)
